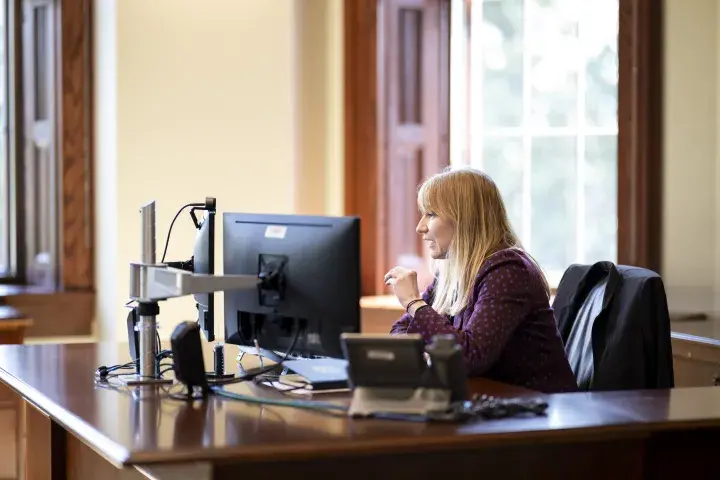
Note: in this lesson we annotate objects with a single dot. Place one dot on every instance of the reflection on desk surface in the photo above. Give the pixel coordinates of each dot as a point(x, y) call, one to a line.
point(136, 426)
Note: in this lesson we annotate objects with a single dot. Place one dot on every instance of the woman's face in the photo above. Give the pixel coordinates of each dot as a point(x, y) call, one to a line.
point(437, 232)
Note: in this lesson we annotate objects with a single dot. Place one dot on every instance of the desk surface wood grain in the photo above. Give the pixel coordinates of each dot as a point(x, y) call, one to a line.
point(143, 426)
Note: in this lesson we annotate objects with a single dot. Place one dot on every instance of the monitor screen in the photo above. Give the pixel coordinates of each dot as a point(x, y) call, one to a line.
point(311, 271)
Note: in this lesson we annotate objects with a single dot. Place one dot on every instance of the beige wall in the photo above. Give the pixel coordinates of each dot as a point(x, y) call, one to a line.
point(236, 99)
point(691, 250)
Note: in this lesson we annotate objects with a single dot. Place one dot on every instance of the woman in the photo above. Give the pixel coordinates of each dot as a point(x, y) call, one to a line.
point(488, 292)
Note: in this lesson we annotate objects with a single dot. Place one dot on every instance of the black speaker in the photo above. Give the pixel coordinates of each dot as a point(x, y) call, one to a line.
point(188, 361)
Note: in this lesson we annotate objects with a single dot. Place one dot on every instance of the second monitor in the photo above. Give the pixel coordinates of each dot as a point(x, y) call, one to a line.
point(310, 266)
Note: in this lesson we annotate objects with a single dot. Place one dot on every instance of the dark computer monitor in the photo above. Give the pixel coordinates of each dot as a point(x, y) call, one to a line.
point(204, 262)
point(311, 266)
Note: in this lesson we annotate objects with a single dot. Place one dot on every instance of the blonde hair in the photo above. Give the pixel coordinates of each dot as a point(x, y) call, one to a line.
point(471, 201)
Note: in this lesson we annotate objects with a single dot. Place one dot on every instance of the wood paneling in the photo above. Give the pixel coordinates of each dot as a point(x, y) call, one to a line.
point(84, 463)
point(76, 133)
point(397, 110)
point(8, 433)
point(36, 443)
point(640, 133)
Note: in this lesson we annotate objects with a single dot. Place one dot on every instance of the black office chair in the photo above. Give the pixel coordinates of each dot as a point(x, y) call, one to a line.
point(615, 325)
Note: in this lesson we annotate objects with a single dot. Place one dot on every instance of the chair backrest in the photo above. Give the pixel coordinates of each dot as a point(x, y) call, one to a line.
point(615, 326)
point(579, 346)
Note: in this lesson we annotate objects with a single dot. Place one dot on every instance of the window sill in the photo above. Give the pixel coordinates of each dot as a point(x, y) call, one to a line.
point(53, 312)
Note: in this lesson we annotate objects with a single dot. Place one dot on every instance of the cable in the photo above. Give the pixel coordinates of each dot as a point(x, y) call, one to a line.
point(250, 374)
point(104, 372)
point(167, 239)
point(307, 404)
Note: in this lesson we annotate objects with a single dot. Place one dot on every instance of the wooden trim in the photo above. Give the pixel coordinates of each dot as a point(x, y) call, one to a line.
point(16, 140)
point(76, 211)
point(639, 132)
point(363, 144)
point(444, 94)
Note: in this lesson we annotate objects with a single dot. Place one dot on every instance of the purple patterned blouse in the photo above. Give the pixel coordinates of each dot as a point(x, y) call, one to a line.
point(508, 331)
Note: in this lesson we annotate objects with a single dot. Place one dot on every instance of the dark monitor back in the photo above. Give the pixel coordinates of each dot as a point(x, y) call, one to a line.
point(322, 272)
point(204, 262)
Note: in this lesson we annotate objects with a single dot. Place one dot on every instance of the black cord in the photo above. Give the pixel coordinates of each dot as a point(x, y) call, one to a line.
point(167, 239)
point(251, 374)
point(105, 372)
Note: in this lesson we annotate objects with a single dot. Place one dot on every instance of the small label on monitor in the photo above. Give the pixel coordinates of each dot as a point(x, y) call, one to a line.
point(385, 355)
point(275, 231)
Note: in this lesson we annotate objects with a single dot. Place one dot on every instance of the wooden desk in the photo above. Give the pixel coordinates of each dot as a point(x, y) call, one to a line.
point(696, 352)
point(92, 432)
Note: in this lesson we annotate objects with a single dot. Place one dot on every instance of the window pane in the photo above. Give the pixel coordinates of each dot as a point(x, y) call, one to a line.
point(4, 161)
point(600, 37)
point(500, 45)
point(553, 202)
point(541, 82)
point(502, 160)
point(554, 50)
point(600, 198)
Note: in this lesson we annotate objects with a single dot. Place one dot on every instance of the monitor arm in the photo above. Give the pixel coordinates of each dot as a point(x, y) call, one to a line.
point(151, 282)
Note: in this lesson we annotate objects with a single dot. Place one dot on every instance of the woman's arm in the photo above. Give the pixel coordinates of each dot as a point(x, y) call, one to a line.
point(502, 303)
point(401, 325)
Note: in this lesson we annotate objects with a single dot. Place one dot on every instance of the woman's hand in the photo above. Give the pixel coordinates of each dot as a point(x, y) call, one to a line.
point(404, 283)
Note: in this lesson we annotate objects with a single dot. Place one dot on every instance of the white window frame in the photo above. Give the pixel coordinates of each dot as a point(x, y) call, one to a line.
point(466, 122)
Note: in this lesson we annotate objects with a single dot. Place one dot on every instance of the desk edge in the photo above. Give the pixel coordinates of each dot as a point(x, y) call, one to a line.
point(102, 445)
